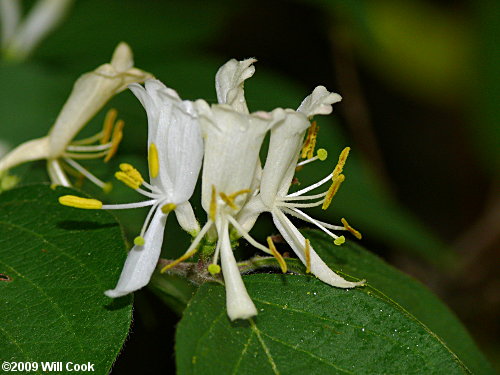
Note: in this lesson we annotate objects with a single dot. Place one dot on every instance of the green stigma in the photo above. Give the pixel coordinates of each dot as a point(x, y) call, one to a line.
point(139, 241)
point(322, 154)
point(339, 240)
point(214, 269)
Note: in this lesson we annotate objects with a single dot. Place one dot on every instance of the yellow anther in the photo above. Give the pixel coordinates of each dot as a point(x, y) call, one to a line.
point(128, 180)
point(310, 142)
point(139, 241)
point(153, 161)
point(334, 187)
point(213, 204)
point(132, 172)
point(322, 154)
point(229, 201)
point(79, 202)
point(107, 127)
point(354, 232)
point(307, 252)
point(108, 186)
point(277, 255)
point(115, 140)
point(340, 164)
point(179, 260)
point(339, 240)
point(214, 269)
point(166, 208)
point(239, 192)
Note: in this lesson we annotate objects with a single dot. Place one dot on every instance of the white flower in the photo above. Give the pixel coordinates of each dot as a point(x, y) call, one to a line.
point(175, 152)
point(90, 93)
point(284, 151)
point(233, 139)
point(19, 39)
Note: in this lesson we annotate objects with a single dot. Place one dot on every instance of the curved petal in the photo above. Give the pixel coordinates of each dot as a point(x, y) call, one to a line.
point(229, 82)
point(141, 260)
point(186, 219)
point(238, 302)
point(296, 241)
point(284, 147)
point(32, 150)
point(319, 102)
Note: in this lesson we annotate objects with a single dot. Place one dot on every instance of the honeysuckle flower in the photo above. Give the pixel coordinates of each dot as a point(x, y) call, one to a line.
point(175, 152)
point(20, 38)
point(233, 138)
point(282, 160)
point(90, 93)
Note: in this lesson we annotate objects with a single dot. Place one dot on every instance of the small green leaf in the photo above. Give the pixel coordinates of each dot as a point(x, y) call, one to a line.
point(55, 264)
point(306, 326)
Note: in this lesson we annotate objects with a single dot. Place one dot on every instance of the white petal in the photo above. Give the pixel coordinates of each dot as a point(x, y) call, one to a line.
point(319, 102)
point(141, 260)
point(232, 145)
point(229, 82)
point(250, 212)
point(123, 58)
point(32, 150)
point(284, 147)
point(186, 219)
point(90, 93)
point(297, 242)
point(238, 302)
point(174, 128)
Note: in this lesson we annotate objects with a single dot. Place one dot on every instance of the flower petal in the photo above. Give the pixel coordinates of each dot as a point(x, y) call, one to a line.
point(238, 302)
point(232, 145)
point(319, 102)
point(90, 93)
point(141, 260)
point(229, 82)
point(284, 148)
point(186, 219)
point(32, 150)
point(296, 241)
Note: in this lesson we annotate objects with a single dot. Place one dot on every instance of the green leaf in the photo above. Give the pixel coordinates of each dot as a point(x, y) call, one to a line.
point(306, 326)
point(55, 264)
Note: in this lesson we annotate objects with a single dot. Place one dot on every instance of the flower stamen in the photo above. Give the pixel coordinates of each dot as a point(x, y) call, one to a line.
point(108, 124)
point(79, 202)
point(115, 140)
point(153, 161)
point(310, 142)
point(277, 255)
point(353, 231)
point(307, 252)
point(334, 187)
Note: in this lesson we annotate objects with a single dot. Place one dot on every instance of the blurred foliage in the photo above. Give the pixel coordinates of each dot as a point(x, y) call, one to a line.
point(428, 77)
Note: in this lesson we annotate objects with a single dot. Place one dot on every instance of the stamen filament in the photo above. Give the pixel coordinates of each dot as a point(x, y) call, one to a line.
point(311, 187)
point(125, 206)
point(193, 246)
point(303, 197)
point(307, 161)
point(315, 222)
point(148, 219)
point(86, 141)
point(78, 148)
point(247, 236)
point(86, 173)
point(89, 155)
point(301, 205)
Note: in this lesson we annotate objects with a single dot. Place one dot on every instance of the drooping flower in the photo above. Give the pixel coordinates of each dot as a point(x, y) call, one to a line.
point(233, 138)
point(90, 93)
point(175, 152)
point(282, 160)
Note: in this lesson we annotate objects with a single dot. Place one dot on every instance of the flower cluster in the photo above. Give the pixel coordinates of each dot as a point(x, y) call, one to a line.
point(225, 139)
